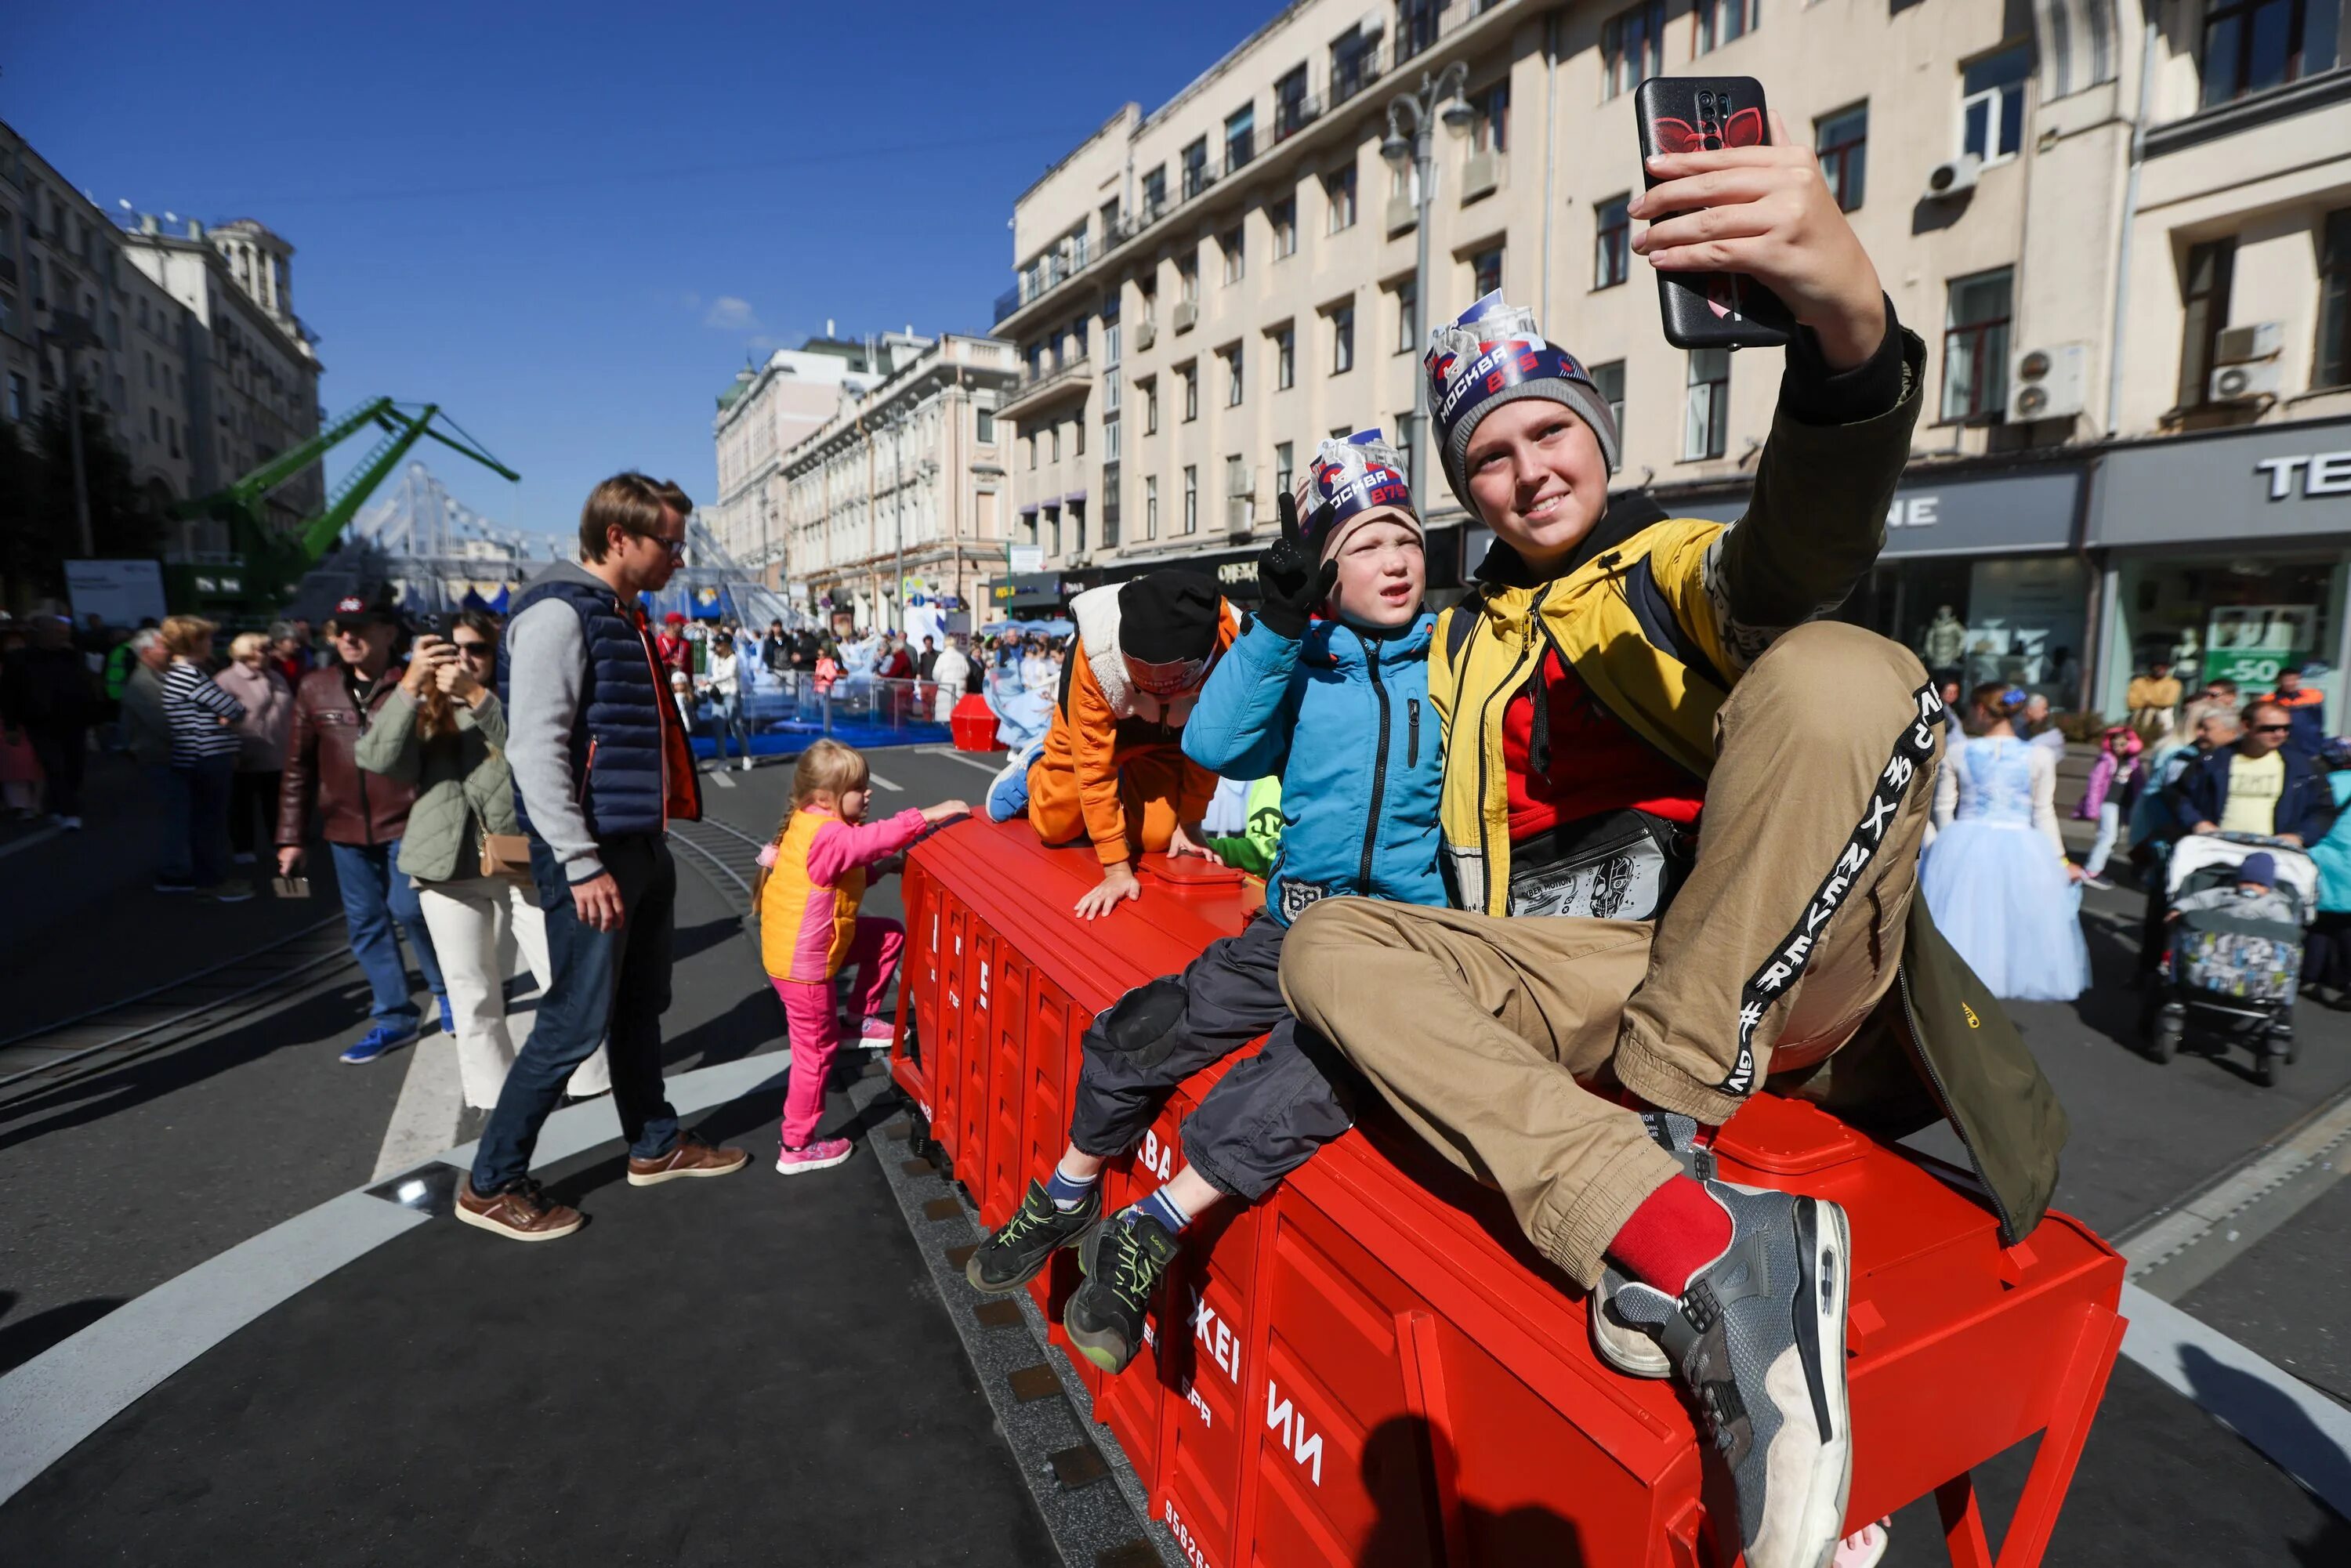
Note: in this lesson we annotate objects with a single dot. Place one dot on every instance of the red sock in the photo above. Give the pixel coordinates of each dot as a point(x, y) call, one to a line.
point(1677, 1230)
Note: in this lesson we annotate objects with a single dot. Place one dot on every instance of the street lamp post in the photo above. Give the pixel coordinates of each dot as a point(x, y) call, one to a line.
point(71, 333)
point(1410, 143)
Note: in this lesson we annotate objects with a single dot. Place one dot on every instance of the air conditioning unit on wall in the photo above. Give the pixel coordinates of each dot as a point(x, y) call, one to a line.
point(2049, 384)
point(2244, 382)
point(1953, 177)
point(2254, 340)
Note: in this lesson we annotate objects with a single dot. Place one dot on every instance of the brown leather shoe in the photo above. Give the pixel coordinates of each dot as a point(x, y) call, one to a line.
point(692, 1157)
point(521, 1213)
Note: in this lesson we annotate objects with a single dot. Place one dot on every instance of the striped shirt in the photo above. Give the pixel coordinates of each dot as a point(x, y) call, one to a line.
point(194, 707)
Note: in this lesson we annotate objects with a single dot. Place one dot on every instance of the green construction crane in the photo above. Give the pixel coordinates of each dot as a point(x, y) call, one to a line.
point(273, 560)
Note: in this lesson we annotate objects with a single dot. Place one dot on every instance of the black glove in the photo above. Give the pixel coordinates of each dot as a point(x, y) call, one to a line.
point(1293, 587)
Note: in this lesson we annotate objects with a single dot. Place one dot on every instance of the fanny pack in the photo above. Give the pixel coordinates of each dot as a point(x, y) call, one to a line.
point(1617, 865)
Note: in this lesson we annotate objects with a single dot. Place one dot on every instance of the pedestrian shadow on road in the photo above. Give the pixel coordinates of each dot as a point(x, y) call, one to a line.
point(25, 1338)
point(2264, 1416)
point(689, 940)
point(754, 1023)
point(78, 1102)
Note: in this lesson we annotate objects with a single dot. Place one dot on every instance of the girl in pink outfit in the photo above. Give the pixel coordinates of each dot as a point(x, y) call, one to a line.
point(812, 879)
point(2111, 778)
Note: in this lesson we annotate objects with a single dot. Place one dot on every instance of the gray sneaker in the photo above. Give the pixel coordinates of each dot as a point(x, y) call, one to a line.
point(1759, 1338)
point(1632, 1348)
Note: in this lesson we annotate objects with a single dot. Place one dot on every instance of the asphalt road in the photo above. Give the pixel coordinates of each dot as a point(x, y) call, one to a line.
point(125, 1180)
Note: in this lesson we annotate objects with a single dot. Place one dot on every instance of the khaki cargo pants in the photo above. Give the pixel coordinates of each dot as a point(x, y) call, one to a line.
point(1476, 1028)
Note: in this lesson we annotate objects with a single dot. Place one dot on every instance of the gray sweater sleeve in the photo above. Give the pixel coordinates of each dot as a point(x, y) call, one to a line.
point(547, 658)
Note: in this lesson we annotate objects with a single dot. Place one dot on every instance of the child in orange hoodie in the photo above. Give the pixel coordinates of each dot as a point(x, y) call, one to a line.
point(1112, 768)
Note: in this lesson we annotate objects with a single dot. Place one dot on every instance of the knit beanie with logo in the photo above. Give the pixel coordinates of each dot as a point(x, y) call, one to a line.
point(1349, 483)
point(1490, 355)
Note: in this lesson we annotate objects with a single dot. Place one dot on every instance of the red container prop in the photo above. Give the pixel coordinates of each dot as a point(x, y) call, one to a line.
point(972, 723)
point(1372, 1366)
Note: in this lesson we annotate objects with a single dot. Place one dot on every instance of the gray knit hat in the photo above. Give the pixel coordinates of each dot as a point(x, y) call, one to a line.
point(1492, 355)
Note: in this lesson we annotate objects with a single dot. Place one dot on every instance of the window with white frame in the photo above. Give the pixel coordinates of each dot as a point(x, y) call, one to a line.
point(1720, 21)
point(1992, 104)
point(1339, 195)
point(1408, 301)
point(1234, 244)
point(1285, 357)
point(1343, 340)
point(1191, 378)
point(1285, 475)
point(1236, 377)
point(1237, 495)
point(1608, 379)
point(1283, 216)
point(1191, 498)
point(1706, 411)
point(1150, 506)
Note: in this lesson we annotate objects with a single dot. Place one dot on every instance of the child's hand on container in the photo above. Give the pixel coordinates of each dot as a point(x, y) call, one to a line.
point(1118, 884)
point(946, 811)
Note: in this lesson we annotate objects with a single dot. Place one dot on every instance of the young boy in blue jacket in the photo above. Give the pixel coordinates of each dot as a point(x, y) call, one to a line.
point(1337, 706)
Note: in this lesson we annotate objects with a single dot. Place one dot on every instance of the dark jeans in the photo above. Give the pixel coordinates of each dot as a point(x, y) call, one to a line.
point(1263, 1119)
point(378, 897)
point(607, 986)
point(62, 750)
point(195, 823)
point(252, 798)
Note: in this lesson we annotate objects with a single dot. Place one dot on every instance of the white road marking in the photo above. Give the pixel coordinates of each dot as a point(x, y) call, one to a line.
point(30, 840)
point(893, 788)
point(718, 777)
point(990, 769)
point(2264, 1192)
point(425, 1122)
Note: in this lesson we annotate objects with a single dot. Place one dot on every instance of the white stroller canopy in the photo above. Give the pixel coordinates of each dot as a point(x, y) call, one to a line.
point(2193, 854)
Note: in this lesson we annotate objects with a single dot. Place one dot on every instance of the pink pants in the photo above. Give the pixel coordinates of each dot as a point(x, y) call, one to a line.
point(816, 1028)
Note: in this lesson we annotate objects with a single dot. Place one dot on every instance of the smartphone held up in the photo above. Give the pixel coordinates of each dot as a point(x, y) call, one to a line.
point(1695, 114)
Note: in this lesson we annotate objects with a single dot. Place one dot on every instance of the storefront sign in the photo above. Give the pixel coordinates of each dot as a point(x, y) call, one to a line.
point(1025, 591)
point(2250, 644)
point(2265, 483)
point(1023, 560)
point(2002, 514)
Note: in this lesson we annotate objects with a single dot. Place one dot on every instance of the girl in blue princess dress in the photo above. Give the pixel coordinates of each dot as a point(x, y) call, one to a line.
point(1996, 878)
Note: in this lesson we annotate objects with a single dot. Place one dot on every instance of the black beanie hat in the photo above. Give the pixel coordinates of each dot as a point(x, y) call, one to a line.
point(1168, 617)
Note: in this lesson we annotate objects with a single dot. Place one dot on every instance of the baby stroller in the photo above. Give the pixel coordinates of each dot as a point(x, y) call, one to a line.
point(2232, 970)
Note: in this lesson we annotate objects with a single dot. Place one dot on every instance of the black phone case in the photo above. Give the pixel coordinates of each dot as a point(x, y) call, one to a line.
point(1710, 310)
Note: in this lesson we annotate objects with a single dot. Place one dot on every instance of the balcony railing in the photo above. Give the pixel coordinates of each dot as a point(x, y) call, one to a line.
point(1034, 389)
point(1293, 115)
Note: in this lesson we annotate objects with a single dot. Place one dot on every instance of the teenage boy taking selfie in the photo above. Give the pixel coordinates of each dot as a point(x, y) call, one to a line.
point(1680, 819)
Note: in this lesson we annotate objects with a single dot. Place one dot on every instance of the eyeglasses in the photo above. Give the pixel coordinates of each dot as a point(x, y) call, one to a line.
point(676, 547)
point(2273, 729)
point(473, 649)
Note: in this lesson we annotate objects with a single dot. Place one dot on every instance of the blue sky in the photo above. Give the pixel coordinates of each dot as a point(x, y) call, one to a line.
point(569, 224)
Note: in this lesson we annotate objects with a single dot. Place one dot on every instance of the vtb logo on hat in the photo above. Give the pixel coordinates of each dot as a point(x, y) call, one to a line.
point(1350, 479)
point(1490, 355)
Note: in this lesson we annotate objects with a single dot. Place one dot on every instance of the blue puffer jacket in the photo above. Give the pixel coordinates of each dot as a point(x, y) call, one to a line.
point(1344, 720)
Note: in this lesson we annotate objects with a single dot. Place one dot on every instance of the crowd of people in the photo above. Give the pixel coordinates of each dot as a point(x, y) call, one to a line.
point(1565, 872)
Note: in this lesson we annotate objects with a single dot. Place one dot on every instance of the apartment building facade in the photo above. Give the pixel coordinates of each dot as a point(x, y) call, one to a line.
point(767, 410)
point(186, 342)
point(1204, 291)
point(901, 497)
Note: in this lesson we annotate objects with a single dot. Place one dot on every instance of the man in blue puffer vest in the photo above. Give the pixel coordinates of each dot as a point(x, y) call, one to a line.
point(601, 763)
point(1338, 707)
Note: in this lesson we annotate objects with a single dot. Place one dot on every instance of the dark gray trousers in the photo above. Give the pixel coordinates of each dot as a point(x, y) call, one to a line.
point(1263, 1119)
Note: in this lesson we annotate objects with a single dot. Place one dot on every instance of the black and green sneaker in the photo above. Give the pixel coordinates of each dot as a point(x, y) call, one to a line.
point(1123, 1262)
point(1022, 1246)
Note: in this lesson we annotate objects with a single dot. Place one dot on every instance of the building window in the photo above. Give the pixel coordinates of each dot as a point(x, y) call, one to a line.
point(1110, 438)
point(1285, 467)
point(1053, 523)
point(1240, 137)
point(1235, 376)
point(16, 397)
point(1491, 131)
point(1630, 47)
point(1053, 436)
point(1285, 359)
point(1842, 141)
point(1233, 244)
point(1196, 168)
point(2334, 364)
point(1612, 243)
point(1343, 340)
point(1191, 498)
point(1154, 193)
point(1609, 380)
point(1291, 109)
point(1150, 506)
point(1188, 280)
point(2251, 46)
point(1975, 347)
point(1030, 443)
point(1720, 21)
point(1078, 435)
point(2204, 295)
point(1339, 192)
point(1992, 104)
point(155, 424)
point(983, 424)
point(1191, 378)
point(1706, 413)
point(1408, 315)
point(1354, 63)
point(1283, 216)
point(1417, 22)
point(1236, 495)
point(1403, 429)
point(1110, 506)
point(1150, 406)
point(1485, 273)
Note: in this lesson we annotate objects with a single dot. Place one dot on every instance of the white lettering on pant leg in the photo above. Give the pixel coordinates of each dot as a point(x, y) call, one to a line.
point(1305, 1448)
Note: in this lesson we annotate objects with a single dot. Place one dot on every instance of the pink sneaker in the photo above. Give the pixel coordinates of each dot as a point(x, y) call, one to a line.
point(820, 1155)
point(878, 1030)
point(1862, 1548)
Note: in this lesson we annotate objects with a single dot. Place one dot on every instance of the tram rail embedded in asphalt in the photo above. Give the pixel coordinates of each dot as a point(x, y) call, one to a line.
point(170, 1014)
